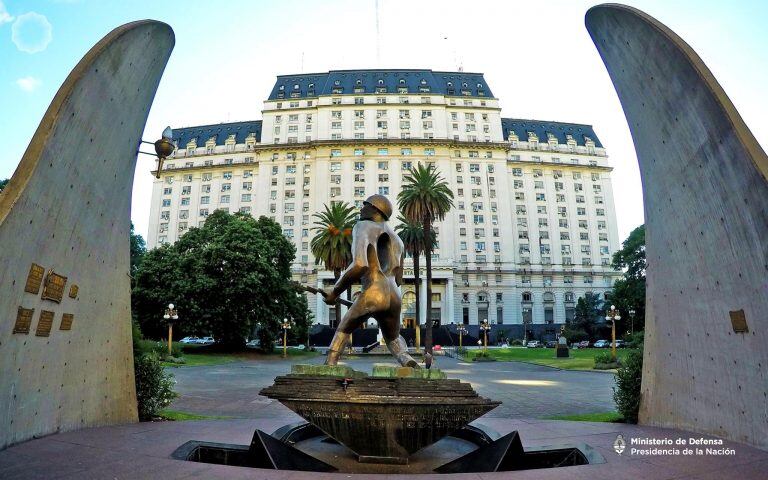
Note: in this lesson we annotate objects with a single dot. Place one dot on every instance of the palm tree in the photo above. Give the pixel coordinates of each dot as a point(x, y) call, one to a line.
point(412, 235)
point(332, 243)
point(425, 197)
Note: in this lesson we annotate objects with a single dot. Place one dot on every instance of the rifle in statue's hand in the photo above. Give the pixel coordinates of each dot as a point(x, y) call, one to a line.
point(317, 291)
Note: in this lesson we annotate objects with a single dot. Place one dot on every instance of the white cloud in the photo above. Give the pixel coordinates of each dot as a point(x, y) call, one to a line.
point(4, 16)
point(28, 84)
point(31, 32)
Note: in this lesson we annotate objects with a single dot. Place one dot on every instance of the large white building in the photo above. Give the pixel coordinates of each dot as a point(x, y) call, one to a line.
point(534, 224)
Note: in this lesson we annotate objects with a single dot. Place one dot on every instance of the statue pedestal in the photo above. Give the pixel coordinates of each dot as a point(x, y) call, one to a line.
point(562, 348)
point(382, 419)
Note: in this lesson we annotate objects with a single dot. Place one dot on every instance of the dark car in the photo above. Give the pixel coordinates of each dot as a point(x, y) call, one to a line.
point(583, 344)
point(551, 344)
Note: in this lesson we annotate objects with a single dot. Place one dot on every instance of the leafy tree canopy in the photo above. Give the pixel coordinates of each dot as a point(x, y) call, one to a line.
point(631, 257)
point(588, 315)
point(138, 250)
point(225, 278)
point(3, 183)
point(628, 293)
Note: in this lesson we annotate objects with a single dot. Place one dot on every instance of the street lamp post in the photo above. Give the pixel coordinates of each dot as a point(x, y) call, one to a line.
point(612, 315)
point(485, 326)
point(286, 326)
point(170, 314)
point(632, 321)
point(461, 330)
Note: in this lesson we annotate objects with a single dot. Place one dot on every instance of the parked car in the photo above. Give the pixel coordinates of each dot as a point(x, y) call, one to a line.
point(583, 344)
point(602, 344)
point(189, 340)
point(255, 343)
point(205, 341)
point(620, 344)
point(552, 344)
point(533, 344)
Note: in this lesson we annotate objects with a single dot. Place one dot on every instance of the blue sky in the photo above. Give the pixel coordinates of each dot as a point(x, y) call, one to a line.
point(537, 58)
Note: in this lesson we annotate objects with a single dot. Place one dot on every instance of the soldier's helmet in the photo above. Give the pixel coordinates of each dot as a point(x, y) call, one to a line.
point(380, 203)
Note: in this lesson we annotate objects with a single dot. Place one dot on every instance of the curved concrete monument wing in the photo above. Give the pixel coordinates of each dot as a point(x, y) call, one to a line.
point(706, 208)
point(66, 358)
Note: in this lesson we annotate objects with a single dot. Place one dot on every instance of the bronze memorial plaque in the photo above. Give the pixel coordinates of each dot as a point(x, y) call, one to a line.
point(44, 324)
point(34, 279)
point(53, 289)
point(739, 321)
point(66, 321)
point(73, 289)
point(23, 320)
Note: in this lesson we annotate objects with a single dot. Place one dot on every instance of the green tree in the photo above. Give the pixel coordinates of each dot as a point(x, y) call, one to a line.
point(628, 293)
point(3, 183)
point(138, 250)
point(412, 235)
point(332, 243)
point(224, 277)
point(425, 198)
point(588, 314)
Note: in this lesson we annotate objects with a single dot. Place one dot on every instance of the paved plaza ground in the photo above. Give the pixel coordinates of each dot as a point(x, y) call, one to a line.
point(525, 390)
point(143, 450)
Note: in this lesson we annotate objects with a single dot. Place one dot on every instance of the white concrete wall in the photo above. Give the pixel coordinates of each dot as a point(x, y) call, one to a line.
point(67, 208)
point(705, 183)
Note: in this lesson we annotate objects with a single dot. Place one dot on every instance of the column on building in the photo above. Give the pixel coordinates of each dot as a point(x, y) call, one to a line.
point(449, 300)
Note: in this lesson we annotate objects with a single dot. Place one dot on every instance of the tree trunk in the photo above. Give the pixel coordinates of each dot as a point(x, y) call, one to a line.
point(336, 308)
point(416, 286)
point(428, 267)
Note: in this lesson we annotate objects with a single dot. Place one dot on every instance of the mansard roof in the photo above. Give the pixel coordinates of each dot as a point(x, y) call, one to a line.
point(219, 132)
point(521, 127)
point(343, 82)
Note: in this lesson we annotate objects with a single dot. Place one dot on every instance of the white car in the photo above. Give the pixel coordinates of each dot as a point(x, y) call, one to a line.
point(205, 341)
point(189, 340)
point(255, 343)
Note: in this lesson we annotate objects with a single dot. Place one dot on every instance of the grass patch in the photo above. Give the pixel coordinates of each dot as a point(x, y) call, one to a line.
point(176, 416)
point(197, 359)
point(581, 359)
point(611, 417)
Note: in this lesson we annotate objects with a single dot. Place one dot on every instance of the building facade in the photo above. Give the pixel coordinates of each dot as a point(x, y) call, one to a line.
point(533, 227)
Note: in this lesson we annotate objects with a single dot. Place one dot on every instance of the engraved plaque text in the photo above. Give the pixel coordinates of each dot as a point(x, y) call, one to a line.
point(54, 287)
point(739, 321)
point(23, 320)
point(34, 279)
point(44, 324)
point(66, 321)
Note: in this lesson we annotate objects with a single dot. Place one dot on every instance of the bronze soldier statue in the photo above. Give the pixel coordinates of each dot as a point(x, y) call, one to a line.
point(377, 262)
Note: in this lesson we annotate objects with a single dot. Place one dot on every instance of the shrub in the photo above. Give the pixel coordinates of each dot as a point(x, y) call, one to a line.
point(603, 357)
point(626, 393)
point(635, 340)
point(516, 343)
point(154, 387)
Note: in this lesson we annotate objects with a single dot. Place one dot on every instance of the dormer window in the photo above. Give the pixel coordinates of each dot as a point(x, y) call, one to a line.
point(423, 82)
point(358, 82)
point(402, 81)
point(450, 84)
point(295, 86)
point(311, 86)
point(479, 85)
point(282, 87)
point(380, 82)
point(464, 85)
point(336, 82)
